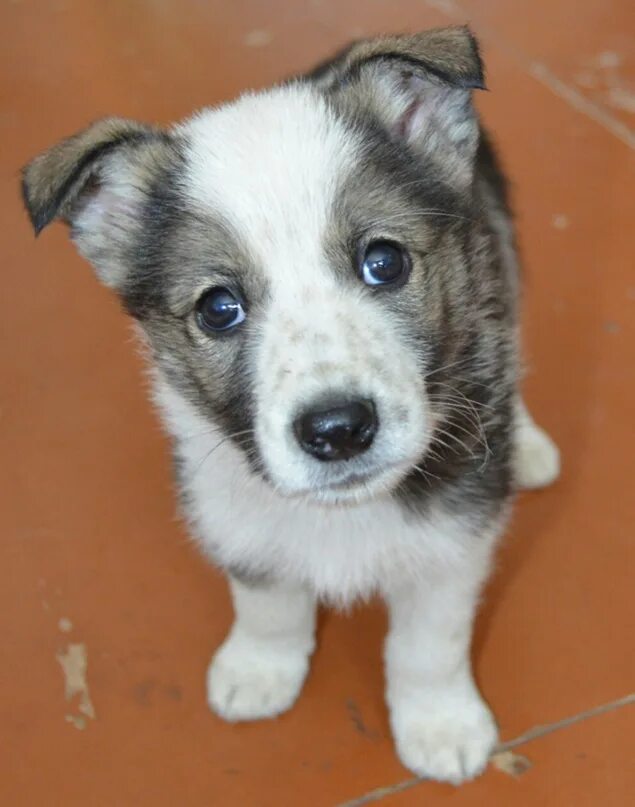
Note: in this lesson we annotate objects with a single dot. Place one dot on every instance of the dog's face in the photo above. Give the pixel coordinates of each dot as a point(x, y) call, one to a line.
point(296, 258)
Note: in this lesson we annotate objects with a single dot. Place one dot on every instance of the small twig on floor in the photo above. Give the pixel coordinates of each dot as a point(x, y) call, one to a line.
point(540, 731)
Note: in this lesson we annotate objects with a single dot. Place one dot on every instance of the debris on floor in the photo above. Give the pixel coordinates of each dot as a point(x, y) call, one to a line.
point(74, 664)
point(511, 763)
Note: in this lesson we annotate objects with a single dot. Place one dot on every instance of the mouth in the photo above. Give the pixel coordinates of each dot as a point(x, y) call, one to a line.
point(356, 486)
point(351, 481)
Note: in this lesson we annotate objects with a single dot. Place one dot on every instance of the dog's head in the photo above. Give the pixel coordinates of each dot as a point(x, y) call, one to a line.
point(296, 258)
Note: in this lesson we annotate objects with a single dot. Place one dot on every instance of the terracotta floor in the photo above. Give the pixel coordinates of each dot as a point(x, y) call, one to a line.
point(91, 554)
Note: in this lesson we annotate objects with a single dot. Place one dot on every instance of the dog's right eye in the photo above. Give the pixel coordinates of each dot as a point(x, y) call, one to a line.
point(219, 309)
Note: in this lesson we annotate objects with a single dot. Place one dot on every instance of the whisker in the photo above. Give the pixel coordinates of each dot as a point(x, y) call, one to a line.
point(464, 396)
point(458, 440)
point(438, 439)
point(219, 444)
point(203, 433)
point(427, 475)
point(444, 367)
point(431, 452)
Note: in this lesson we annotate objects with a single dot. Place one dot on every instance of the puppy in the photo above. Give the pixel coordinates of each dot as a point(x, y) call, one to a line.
point(325, 276)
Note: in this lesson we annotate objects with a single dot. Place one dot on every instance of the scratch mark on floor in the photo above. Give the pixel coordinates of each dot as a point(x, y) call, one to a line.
point(621, 98)
point(582, 104)
point(560, 221)
point(358, 721)
point(143, 690)
point(259, 38)
point(74, 664)
point(604, 76)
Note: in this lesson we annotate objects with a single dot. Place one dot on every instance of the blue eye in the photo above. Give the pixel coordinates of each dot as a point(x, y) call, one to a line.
point(384, 263)
point(219, 309)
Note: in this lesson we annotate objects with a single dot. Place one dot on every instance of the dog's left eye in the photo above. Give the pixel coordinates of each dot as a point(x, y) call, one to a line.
point(383, 263)
point(219, 309)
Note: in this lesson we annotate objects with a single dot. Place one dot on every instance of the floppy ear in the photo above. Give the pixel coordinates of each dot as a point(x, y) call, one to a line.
point(95, 182)
point(419, 87)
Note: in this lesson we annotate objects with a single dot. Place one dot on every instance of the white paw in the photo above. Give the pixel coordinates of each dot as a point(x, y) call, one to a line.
point(447, 738)
point(247, 681)
point(537, 460)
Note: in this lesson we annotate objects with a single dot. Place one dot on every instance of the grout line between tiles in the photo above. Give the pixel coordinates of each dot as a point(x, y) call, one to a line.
point(540, 72)
point(533, 734)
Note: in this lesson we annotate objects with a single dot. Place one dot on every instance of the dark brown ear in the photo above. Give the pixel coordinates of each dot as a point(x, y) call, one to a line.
point(419, 86)
point(54, 179)
point(95, 182)
point(450, 54)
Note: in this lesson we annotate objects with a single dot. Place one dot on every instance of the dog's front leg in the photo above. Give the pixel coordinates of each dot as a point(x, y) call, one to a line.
point(442, 727)
point(260, 667)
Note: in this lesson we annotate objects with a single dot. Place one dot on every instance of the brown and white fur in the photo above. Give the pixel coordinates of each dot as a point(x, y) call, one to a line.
point(279, 198)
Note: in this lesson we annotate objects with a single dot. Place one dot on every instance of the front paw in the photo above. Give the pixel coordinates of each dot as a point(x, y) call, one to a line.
point(248, 681)
point(448, 737)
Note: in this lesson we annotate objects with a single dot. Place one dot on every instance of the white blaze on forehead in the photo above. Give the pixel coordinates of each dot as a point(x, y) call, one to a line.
point(271, 164)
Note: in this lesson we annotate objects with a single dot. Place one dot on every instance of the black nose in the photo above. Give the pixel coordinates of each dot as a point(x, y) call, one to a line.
point(338, 432)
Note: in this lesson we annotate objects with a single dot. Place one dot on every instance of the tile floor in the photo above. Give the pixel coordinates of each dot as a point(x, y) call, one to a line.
point(91, 554)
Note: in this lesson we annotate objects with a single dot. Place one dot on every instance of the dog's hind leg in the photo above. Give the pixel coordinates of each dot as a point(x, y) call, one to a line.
point(536, 456)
